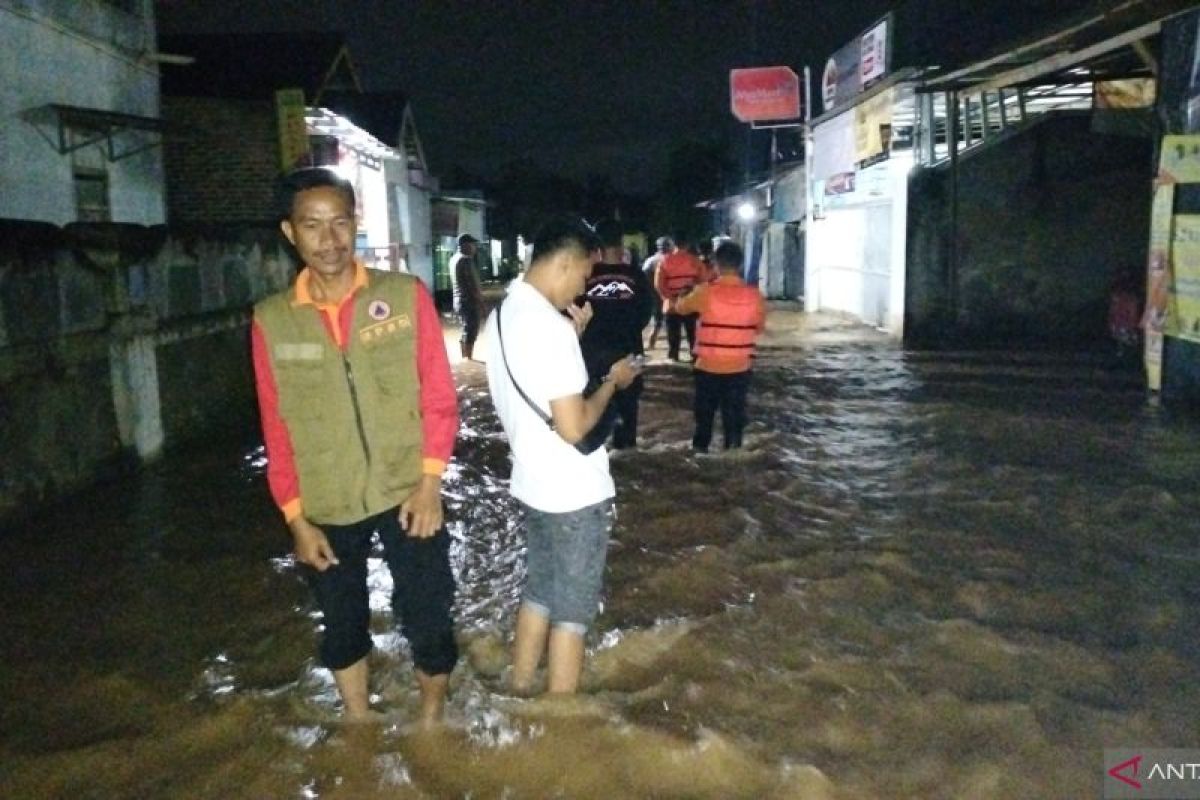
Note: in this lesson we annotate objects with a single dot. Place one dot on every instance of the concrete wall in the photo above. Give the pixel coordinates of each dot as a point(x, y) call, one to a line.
point(855, 253)
point(77, 53)
point(119, 341)
point(1045, 220)
point(410, 218)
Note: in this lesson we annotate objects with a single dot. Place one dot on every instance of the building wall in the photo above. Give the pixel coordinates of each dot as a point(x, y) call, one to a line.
point(419, 230)
point(224, 169)
point(855, 250)
point(1045, 221)
point(119, 341)
point(411, 220)
point(78, 53)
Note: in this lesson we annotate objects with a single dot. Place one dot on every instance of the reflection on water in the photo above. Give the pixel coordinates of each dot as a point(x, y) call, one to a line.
point(927, 575)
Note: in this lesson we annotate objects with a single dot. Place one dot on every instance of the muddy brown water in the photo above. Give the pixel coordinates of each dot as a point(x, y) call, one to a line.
point(928, 575)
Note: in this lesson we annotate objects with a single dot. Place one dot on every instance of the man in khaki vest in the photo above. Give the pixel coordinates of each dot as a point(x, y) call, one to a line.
point(359, 415)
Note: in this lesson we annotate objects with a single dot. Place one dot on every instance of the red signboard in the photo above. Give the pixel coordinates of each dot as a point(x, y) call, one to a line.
point(764, 93)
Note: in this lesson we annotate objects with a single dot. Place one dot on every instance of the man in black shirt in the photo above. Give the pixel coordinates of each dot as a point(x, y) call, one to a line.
point(622, 302)
point(468, 296)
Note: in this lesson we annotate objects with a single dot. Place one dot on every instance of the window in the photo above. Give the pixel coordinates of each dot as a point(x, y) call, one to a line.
point(89, 168)
point(91, 196)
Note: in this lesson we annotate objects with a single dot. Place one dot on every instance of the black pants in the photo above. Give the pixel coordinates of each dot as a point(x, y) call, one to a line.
point(626, 401)
point(674, 323)
point(469, 317)
point(422, 594)
point(656, 313)
point(724, 392)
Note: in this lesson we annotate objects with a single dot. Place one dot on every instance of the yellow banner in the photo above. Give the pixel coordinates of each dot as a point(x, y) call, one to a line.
point(293, 130)
point(1129, 93)
point(1180, 159)
point(873, 126)
point(1183, 318)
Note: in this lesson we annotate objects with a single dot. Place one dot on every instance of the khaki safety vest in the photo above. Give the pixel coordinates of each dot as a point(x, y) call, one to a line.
point(354, 417)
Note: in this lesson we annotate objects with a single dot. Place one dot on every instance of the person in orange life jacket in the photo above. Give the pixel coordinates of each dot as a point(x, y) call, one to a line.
point(732, 315)
point(622, 303)
point(679, 271)
point(359, 416)
point(663, 246)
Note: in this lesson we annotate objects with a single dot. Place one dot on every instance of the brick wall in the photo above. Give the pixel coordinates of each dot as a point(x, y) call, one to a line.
point(224, 169)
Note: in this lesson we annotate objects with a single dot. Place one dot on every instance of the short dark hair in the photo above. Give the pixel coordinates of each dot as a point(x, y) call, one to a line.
point(728, 255)
point(563, 233)
point(303, 179)
point(609, 232)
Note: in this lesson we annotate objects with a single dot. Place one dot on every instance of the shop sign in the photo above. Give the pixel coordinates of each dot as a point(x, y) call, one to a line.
point(761, 94)
point(293, 129)
point(857, 66)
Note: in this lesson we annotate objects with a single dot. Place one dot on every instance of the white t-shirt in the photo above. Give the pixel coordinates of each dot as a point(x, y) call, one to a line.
point(543, 353)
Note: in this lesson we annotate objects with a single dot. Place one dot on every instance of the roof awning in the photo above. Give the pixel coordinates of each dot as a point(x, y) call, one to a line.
point(1110, 45)
point(329, 123)
point(69, 128)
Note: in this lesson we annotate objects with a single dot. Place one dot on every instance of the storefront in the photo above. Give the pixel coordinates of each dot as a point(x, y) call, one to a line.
point(855, 247)
point(859, 160)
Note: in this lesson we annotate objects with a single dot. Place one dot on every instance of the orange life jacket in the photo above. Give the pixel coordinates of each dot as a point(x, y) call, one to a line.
point(680, 271)
point(729, 326)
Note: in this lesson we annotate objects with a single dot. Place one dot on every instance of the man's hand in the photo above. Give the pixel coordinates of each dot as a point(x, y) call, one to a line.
point(580, 316)
point(421, 511)
point(311, 545)
point(624, 372)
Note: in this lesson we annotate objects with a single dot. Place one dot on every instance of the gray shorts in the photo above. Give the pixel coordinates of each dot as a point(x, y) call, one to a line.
point(565, 563)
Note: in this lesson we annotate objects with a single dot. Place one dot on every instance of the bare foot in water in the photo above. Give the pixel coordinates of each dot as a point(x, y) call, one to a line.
point(368, 717)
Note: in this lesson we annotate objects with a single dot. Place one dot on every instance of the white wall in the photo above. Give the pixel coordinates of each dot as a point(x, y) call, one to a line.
point(43, 61)
point(373, 190)
point(411, 219)
point(856, 253)
point(471, 220)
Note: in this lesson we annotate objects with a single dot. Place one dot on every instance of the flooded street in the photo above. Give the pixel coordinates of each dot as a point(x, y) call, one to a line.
point(927, 575)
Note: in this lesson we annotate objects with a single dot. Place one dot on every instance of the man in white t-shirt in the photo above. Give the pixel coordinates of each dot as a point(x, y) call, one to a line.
point(567, 495)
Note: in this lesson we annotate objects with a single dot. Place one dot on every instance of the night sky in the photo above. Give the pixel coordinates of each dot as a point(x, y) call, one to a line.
point(597, 86)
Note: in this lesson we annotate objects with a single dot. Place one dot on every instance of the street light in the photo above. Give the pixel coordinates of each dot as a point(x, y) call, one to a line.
point(746, 211)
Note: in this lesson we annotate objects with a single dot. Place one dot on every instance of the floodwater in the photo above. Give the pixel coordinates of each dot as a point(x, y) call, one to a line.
point(950, 575)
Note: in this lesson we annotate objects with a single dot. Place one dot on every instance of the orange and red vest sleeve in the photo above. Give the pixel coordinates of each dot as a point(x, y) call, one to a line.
point(439, 401)
point(282, 478)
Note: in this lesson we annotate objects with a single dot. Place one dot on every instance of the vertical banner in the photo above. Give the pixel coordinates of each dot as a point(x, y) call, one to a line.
point(1172, 298)
point(1183, 314)
point(293, 130)
point(873, 54)
point(1158, 282)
